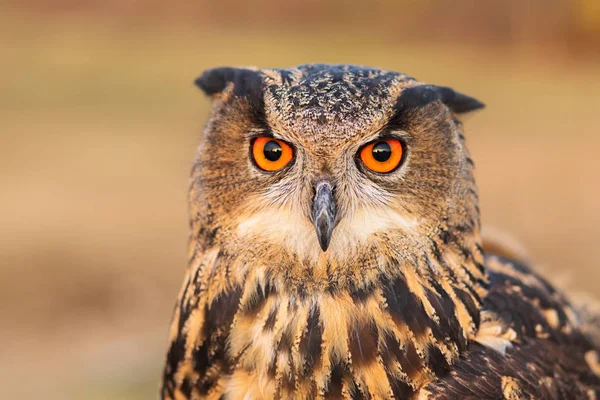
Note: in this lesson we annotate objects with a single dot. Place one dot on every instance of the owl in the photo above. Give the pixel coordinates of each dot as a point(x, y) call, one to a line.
point(336, 252)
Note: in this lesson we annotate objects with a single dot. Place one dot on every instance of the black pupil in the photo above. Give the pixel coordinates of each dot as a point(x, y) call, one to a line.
point(382, 151)
point(272, 150)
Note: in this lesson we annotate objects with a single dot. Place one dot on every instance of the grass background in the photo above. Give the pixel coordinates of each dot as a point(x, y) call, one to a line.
point(98, 124)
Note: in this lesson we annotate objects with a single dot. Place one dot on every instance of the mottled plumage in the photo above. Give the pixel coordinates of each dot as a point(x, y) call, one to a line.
point(397, 297)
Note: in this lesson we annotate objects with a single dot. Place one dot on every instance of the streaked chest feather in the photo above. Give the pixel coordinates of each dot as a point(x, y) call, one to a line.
point(249, 335)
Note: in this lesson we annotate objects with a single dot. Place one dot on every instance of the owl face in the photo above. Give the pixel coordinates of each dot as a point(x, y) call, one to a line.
point(322, 162)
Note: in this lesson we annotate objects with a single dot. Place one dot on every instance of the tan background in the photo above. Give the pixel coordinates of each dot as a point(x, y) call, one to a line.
point(99, 120)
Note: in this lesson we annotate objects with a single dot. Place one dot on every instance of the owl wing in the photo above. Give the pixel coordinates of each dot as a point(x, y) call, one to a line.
point(532, 344)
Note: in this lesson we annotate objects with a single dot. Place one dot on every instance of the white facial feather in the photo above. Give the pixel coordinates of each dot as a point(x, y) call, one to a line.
point(291, 229)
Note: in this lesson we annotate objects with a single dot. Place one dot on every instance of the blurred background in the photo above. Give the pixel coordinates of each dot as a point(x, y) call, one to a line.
point(99, 120)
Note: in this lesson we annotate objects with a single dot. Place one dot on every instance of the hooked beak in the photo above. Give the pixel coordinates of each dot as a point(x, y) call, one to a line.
point(324, 213)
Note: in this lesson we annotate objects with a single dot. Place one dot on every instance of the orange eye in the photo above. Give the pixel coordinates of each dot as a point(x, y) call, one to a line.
point(271, 154)
point(382, 156)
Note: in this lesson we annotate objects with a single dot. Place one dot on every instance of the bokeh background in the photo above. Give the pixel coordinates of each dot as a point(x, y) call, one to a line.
point(99, 120)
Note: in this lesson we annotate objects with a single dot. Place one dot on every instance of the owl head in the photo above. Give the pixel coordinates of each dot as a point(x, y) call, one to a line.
point(322, 164)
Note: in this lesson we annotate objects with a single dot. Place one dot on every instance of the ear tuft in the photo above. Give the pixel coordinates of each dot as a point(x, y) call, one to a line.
point(419, 96)
point(245, 81)
point(214, 80)
point(458, 102)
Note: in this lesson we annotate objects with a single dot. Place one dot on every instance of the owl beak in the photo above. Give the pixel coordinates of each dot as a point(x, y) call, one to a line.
point(324, 213)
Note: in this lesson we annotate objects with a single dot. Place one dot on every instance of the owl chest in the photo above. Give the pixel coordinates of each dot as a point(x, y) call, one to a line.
point(328, 346)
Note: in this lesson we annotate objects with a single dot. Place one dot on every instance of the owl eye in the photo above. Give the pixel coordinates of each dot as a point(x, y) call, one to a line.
point(382, 156)
point(271, 154)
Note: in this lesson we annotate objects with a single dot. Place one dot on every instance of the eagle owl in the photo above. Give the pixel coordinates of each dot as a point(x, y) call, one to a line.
point(335, 252)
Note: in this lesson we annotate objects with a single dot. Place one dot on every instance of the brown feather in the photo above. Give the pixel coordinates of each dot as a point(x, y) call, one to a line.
point(403, 304)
